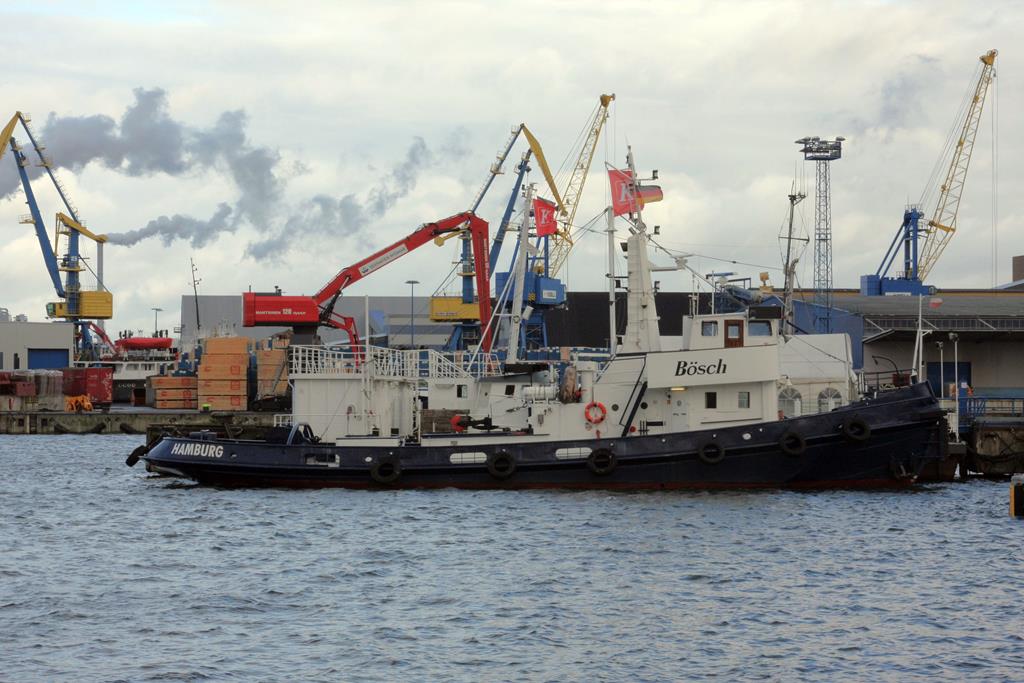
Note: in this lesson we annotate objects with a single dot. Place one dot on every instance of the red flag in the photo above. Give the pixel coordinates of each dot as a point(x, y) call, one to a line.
point(544, 216)
point(622, 192)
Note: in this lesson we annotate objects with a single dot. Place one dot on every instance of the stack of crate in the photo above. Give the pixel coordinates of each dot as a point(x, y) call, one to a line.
point(271, 372)
point(222, 373)
point(174, 393)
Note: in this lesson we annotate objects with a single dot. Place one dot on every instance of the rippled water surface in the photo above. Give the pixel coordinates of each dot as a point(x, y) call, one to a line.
point(107, 573)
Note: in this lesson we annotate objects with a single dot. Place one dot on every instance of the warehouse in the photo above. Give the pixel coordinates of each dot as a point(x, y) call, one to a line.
point(36, 346)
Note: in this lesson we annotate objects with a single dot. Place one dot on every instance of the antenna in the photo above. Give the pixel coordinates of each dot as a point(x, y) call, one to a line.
point(195, 292)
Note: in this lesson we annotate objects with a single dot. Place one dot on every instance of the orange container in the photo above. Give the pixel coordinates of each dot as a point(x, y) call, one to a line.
point(223, 366)
point(175, 395)
point(162, 382)
point(223, 387)
point(224, 345)
point(178, 404)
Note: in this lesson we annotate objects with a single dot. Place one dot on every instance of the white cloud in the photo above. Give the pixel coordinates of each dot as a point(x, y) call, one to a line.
point(712, 95)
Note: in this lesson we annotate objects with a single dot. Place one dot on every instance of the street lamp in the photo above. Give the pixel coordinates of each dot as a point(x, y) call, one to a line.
point(412, 321)
point(156, 327)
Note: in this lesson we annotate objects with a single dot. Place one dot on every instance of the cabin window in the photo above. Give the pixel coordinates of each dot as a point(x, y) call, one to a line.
point(461, 390)
point(709, 328)
point(710, 400)
point(510, 389)
point(744, 400)
point(829, 399)
point(789, 402)
point(759, 328)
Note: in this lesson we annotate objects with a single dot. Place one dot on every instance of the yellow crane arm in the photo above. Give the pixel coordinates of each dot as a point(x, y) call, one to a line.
point(71, 223)
point(7, 132)
point(574, 189)
point(942, 224)
point(538, 154)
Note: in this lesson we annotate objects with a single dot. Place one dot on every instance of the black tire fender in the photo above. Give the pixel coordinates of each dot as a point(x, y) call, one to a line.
point(711, 453)
point(136, 455)
point(501, 465)
point(602, 462)
point(386, 471)
point(792, 443)
point(856, 429)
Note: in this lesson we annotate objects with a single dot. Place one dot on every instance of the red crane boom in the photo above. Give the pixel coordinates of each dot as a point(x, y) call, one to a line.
point(307, 313)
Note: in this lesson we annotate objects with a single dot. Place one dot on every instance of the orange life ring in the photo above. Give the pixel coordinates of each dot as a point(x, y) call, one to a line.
point(602, 412)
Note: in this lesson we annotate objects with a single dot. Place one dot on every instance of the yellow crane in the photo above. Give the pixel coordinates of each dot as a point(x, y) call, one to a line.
point(570, 198)
point(942, 224)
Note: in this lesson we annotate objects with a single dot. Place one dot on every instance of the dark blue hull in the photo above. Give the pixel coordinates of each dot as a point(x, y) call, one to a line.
point(879, 443)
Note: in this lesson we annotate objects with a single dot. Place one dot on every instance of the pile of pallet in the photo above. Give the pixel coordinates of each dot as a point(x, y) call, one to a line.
point(223, 369)
point(175, 393)
point(271, 372)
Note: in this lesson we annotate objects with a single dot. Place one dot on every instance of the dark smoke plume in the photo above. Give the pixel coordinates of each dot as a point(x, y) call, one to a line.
point(198, 233)
point(348, 215)
point(147, 141)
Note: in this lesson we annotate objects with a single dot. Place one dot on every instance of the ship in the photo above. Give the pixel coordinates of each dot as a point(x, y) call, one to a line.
point(704, 414)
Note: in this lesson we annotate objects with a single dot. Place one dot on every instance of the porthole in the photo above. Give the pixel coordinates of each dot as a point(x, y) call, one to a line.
point(643, 405)
point(615, 407)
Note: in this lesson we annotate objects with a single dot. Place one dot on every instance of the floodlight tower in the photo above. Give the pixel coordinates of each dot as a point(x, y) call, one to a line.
point(823, 152)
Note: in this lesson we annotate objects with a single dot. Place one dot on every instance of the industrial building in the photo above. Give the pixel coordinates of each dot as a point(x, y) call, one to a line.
point(36, 346)
point(393, 320)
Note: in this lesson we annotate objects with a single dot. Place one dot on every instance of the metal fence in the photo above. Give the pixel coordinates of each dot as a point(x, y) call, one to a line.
point(385, 363)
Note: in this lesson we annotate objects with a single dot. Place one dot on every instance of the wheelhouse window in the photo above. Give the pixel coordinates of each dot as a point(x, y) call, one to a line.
point(790, 402)
point(709, 328)
point(759, 328)
point(743, 400)
point(710, 400)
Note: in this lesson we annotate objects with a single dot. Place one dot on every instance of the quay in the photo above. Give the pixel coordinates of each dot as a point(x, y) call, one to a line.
point(238, 424)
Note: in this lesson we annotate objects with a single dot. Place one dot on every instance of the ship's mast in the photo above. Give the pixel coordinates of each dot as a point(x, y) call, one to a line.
point(790, 265)
point(642, 333)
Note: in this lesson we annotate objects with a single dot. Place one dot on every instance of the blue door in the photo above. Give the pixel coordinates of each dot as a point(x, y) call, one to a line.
point(948, 375)
point(47, 359)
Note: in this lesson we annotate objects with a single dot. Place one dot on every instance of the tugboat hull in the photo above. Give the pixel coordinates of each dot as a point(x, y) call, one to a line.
point(878, 443)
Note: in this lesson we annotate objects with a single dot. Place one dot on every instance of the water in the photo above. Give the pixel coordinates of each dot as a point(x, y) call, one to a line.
point(108, 574)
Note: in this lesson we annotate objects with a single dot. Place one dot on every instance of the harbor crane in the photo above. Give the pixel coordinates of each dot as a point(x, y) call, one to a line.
point(464, 311)
point(77, 304)
point(542, 287)
point(919, 258)
point(306, 314)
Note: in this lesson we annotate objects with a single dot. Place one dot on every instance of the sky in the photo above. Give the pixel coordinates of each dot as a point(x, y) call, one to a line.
point(275, 146)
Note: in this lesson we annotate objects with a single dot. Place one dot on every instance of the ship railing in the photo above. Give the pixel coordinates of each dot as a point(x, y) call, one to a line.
point(375, 361)
point(884, 380)
point(348, 422)
point(347, 361)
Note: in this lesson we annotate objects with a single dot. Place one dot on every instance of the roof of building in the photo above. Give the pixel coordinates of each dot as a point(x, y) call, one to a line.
point(971, 303)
